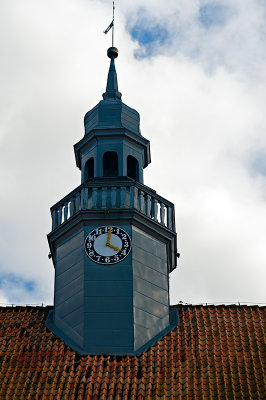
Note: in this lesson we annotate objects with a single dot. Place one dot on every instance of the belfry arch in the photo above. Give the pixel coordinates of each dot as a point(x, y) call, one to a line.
point(110, 164)
point(89, 169)
point(132, 168)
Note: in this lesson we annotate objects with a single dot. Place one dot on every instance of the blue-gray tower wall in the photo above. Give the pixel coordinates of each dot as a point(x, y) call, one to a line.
point(69, 288)
point(108, 304)
point(150, 287)
point(109, 309)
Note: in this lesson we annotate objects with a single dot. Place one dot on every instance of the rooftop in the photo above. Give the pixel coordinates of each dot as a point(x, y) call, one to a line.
point(214, 352)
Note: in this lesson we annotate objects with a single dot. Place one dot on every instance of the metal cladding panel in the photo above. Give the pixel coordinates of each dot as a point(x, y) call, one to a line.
point(130, 118)
point(150, 287)
point(71, 304)
point(73, 243)
point(149, 259)
point(98, 272)
point(152, 306)
point(152, 291)
point(73, 318)
point(73, 258)
point(108, 321)
point(108, 303)
point(151, 245)
point(75, 271)
point(107, 340)
point(150, 275)
point(100, 305)
point(69, 283)
point(108, 288)
point(111, 113)
point(91, 119)
point(69, 290)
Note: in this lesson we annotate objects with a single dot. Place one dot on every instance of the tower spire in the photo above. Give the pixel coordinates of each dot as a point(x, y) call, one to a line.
point(112, 85)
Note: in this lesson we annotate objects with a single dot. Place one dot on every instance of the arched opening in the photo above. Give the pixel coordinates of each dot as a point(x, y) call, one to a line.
point(132, 168)
point(89, 169)
point(110, 164)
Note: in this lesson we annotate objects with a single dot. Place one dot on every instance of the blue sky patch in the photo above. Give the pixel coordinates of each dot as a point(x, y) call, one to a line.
point(258, 165)
point(16, 281)
point(212, 14)
point(149, 34)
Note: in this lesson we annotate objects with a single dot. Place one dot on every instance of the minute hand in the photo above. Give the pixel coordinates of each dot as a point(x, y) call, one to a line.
point(108, 237)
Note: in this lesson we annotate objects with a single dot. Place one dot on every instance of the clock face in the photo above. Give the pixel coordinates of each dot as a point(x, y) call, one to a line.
point(107, 245)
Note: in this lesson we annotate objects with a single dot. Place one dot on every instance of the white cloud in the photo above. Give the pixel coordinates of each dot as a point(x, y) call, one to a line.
point(201, 99)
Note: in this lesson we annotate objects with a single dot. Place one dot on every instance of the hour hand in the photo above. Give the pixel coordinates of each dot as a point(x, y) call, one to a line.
point(113, 247)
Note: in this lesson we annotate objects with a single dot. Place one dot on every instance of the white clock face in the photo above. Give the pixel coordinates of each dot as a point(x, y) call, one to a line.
point(107, 245)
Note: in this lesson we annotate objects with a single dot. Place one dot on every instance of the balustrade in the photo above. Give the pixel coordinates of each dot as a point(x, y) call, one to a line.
point(128, 195)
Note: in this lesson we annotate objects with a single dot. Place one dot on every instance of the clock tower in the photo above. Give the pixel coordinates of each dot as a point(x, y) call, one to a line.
point(113, 239)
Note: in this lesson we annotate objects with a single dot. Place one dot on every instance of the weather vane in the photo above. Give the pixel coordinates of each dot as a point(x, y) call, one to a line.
point(111, 26)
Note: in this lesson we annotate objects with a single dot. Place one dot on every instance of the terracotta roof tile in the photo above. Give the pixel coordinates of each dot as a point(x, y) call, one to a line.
point(214, 352)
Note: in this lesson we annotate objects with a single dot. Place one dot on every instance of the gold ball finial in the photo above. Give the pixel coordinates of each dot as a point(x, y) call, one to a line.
point(112, 52)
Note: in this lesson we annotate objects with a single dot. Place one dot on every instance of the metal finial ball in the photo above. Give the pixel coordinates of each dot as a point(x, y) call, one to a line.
point(112, 52)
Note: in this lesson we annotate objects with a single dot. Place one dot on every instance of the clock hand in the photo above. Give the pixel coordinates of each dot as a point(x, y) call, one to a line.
point(113, 247)
point(108, 242)
point(108, 237)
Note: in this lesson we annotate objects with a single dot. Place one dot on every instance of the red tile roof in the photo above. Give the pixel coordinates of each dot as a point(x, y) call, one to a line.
point(216, 352)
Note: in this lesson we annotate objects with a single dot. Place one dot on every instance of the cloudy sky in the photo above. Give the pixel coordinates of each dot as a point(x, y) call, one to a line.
point(196, 72)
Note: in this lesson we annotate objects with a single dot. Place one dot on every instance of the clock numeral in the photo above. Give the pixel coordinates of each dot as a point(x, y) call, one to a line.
point(107, 259)
point(124, 236)
point(125, 244)
point(91, 253)
point(116, 258)
point(124, 252)
point(98, 258)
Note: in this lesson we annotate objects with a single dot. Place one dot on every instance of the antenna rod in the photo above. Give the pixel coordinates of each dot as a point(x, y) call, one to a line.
point(113, 24)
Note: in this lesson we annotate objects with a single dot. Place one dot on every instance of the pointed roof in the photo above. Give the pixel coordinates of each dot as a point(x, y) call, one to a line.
point(111, 112)
point(112, 85)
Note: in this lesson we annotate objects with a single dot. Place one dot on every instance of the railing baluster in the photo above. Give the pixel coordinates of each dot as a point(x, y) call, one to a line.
point(104, 197)
point(77, 202)
point(131, 196)
point(94, 197)
point(155, 209)
point(72, 207)
point(169, 217)
point(136, 200)
point(122, 196)
point(148, 206)
point(141, 201)
point(54, 219)
point(84, 199)
point(162, 213)
point(59, 216)
point(65, 211)
point(113, 197)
